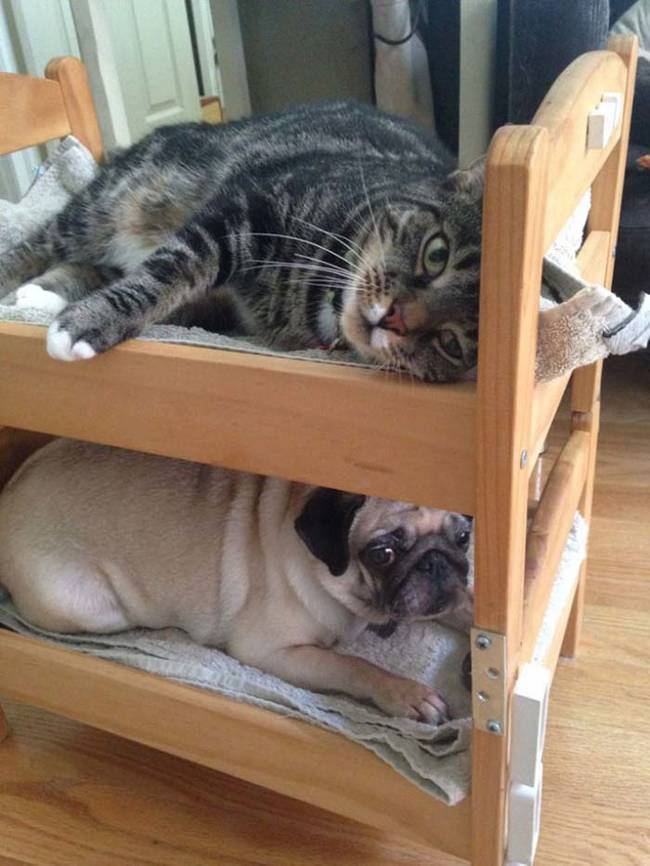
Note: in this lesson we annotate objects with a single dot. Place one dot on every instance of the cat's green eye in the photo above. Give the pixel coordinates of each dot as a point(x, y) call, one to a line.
point(435, 255)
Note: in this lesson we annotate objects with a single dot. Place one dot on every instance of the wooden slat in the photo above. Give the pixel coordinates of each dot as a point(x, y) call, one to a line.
point(72, 78)
point(283, 754)
point(31, 111)
point(593, 261)
point(551, 656)
point(360, 430)
point(546, 401)
point(594, 257)
point(585, 387)
point(564, 113)
point(510, 280)
point(548, 533)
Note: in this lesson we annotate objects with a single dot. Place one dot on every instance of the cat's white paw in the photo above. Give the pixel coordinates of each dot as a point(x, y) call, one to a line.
point(33, 296)
point(61, 347)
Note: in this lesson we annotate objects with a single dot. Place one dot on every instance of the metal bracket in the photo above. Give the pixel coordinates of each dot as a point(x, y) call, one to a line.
point(489, 698)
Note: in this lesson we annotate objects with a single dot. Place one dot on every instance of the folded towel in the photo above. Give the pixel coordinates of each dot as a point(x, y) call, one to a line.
point(437, 759)
point(67, 170)
point(591, 323)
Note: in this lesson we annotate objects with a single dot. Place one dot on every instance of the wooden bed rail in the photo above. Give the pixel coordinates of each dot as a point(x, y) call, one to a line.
point(548, 533)
point(593, 261)
point(283, 754)
point(357, 429)
point(36, 110)
point(459, 447)
point(535, 177)
point(564, 114)
point(41, 105)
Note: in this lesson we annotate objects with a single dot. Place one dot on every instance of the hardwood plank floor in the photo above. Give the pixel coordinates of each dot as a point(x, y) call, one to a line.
point(73, 796)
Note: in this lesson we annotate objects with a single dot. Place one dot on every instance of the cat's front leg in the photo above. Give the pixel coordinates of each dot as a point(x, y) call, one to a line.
point(93, 325)
point(170, 277)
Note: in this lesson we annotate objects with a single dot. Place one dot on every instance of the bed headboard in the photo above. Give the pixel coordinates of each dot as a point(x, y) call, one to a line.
point(36, 110)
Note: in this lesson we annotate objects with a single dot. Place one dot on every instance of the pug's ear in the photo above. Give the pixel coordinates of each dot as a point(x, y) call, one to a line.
point(324, 526)
point(469, 180)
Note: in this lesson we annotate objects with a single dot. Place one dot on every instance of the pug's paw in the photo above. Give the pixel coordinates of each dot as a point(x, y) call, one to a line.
point(398, 696)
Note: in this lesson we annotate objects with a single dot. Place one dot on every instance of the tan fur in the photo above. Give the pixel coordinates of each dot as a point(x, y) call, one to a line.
point(98, 539)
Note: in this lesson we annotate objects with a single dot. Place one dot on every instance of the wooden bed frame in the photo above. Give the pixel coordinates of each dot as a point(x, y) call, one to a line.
point(466, 447)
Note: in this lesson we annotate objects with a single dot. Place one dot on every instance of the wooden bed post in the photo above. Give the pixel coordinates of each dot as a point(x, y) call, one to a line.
point(513, 212)
point(585, 384)
point(71, 76)
point(4, 725)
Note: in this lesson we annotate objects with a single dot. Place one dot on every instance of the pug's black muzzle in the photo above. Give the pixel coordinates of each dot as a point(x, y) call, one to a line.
point(429, 585)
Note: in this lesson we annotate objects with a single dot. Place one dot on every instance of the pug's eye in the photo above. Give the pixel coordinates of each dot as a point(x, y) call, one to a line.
point(462, 539)
point(449, 345)
point(435, 255)
point(381, 555)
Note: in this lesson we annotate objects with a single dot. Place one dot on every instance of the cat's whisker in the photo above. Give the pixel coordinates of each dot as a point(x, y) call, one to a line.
point(354, 270)
point(372, 214)
point(259, 265)
point(347, 276)
point(324, 281)
point(324, 265)
point(345, 241)
point(308, 271)
point(298, 240)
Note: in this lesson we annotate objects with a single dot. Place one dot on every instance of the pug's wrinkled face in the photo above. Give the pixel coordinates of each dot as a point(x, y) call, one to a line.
point(412, 561)
point(387, 561)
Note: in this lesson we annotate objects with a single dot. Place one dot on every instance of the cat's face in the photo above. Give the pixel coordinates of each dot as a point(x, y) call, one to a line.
point(413, 301)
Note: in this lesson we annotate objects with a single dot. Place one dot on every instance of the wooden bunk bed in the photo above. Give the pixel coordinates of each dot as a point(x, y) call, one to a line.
point(466, 447)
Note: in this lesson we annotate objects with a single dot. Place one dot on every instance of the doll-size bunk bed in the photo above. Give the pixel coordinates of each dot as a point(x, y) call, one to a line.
point(466, 447)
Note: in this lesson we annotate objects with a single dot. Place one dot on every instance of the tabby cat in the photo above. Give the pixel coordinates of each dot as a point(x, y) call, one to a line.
point(326, 225)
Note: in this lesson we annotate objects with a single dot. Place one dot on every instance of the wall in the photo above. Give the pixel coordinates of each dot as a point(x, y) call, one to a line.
point(305, 51)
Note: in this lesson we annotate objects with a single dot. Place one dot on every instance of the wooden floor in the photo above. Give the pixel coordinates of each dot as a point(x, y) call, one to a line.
point(72, 796)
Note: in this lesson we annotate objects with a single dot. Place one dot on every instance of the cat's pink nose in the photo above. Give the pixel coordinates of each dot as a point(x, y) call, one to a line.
point(393, 320)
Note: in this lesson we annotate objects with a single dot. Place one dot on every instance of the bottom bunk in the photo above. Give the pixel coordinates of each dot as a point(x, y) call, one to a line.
point(281, 751)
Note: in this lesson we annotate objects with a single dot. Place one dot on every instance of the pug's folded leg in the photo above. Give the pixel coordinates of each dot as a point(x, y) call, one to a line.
point(323, 670)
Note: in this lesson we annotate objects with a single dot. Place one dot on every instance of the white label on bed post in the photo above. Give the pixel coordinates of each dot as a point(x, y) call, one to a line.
point(524, 810)
point(603, 120)
point(529, 712)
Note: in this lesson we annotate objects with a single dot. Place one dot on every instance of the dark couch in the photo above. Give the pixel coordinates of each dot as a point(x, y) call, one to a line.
point(536, 40)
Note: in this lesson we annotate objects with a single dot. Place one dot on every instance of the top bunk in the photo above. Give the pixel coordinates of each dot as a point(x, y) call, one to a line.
point(363, 430)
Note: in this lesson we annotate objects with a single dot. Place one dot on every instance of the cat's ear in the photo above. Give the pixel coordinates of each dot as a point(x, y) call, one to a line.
point(324, 526)
point(469, 180)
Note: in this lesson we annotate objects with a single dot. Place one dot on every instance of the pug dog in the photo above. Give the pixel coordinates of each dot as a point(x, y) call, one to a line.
point(275, 573)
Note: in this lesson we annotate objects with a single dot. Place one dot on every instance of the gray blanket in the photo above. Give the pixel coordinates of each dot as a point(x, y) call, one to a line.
point(437, 759)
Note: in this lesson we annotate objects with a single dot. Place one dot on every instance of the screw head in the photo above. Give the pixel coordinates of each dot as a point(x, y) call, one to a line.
point(483, 641)
point(493, 726)
point(523, 460)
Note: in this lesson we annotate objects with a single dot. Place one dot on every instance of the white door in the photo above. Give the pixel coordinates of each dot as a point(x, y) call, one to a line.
point(155, 65)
